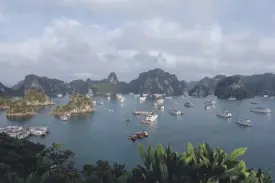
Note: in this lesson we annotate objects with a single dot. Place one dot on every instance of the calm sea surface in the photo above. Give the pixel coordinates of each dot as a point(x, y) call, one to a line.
point(104, 134)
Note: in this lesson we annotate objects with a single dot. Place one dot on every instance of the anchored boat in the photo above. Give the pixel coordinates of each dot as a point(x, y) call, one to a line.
point(138, 135)
point(207, 107)
point(261, 110)
point(176, 112)
point(188, 104)
point(150, 118)
point(245, 122)
point(224, 114)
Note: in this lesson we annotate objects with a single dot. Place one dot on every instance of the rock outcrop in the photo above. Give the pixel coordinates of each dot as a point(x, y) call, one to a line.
point(78, 104)
point(231, 87)
point(157, 81)
point(205, 86)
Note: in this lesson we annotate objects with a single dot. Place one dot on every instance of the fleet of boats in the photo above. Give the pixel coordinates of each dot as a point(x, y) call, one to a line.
point(149, 117)
point(20, 132)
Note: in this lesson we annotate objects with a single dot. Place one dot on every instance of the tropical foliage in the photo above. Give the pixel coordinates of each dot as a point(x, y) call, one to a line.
point(33, 96)
point(161, 165)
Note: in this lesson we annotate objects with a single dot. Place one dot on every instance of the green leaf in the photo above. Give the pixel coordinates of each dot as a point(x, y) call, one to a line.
point(160, 150)
point(142, 153)
point(188, 159)
point(243, 165)
point(190, 148)
point(237, 153)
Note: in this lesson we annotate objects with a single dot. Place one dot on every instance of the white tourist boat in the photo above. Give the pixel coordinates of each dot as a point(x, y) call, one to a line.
point(24, 134)
point(122, 100)
point(207, 107)
point(231, 98)
point(265, 96)
point(152, 117)
point(254, 102)
point(162, 107)
point(261, 110)
point(137, 95)
point(64, 117)
point(176, 112)
point(38, 131)
point(210, 102)
point(168, 98)
point(245, 122)
point(109, 98)
point(142, 99)
point(224, 114)
point(145, 95)
point(59, 95)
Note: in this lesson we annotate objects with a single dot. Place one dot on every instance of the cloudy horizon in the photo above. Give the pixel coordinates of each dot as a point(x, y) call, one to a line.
point(80, 39)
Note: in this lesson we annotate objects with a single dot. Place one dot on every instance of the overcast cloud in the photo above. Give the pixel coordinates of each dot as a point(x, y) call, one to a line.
point(77, 39)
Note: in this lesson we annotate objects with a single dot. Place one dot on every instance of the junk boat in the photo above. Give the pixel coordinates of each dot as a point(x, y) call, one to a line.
point(188, 104)
point(38, 131)
point(176, 112)
point(207, 107)
point(261, 110)
point(210, 102)
point(254, 102)
point(245, 122)
point(138, 135)
point(141, 113)
point(224, 114)
point(150, 118)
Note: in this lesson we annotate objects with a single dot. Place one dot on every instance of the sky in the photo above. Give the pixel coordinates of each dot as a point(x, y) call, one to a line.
point(79, 39)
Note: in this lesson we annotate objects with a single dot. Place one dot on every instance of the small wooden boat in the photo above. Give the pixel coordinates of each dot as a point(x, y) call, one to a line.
point(138, 135)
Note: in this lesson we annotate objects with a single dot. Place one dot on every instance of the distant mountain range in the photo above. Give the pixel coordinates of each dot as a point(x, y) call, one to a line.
point(152, 81)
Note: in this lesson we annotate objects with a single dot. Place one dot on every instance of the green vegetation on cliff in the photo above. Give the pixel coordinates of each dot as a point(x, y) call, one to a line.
point(34, 97)
point(77, 104)
point(159, 165)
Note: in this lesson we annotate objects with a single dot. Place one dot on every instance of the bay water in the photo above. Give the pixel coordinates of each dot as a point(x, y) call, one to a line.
point(104, 135)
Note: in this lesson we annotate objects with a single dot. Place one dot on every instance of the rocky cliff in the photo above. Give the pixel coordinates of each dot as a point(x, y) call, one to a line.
point(157, 81)
point(153, 81)
point(6, 91)
point(231, 87)
point(205, 86)
point(260, 84)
